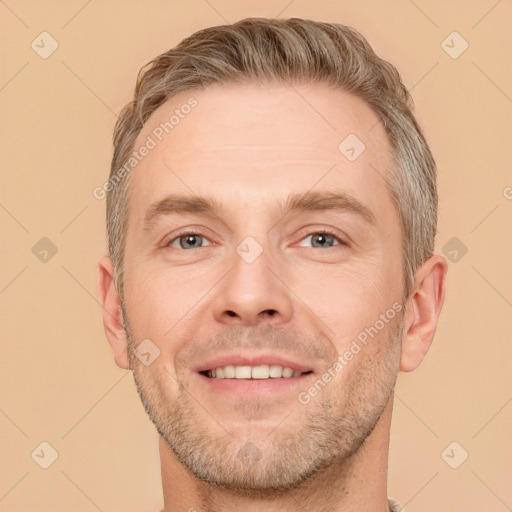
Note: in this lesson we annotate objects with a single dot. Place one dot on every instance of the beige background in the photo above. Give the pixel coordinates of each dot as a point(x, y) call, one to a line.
point(58, 379)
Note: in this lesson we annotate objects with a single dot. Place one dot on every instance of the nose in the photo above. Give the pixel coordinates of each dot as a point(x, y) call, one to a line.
point(253, 293)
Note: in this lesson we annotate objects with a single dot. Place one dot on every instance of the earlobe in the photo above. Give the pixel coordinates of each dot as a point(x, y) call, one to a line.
point(113, 322)
point(422, 311)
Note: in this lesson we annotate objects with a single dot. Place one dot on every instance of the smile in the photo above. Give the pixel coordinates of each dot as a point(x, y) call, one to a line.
point(263, 371)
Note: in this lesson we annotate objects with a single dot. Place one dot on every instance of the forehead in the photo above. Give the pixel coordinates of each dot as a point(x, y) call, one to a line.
point(244, 142)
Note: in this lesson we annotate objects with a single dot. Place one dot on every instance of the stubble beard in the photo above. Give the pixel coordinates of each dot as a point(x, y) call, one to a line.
point(256, 464)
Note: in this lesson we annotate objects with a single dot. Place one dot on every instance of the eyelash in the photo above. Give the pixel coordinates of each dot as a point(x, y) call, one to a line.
point(323, 231)
point(327, 232)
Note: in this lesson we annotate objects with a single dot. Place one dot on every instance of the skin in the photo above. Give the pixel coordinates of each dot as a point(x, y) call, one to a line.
point(250, 147)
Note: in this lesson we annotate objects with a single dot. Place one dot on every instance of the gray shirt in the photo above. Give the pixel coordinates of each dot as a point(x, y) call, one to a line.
point(394, 506)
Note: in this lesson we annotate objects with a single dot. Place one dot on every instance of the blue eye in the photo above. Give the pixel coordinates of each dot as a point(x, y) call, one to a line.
point(191, 240)
point(323, 239)
point(188, 241)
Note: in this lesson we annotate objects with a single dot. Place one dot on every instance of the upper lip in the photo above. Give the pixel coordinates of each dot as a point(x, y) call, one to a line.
point(240, 359)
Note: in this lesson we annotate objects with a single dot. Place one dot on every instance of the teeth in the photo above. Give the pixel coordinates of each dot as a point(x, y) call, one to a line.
point(263, 371)
point(287, 372)
point(229, 372)
point(276, 371)
point(260, 372)
point(242, 372)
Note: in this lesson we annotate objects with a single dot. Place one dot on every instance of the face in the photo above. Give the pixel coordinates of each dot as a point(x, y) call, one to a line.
point(257, 249)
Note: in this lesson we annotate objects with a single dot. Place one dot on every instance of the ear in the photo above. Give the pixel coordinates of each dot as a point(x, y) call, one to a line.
point(422, 311)
point(113, 322)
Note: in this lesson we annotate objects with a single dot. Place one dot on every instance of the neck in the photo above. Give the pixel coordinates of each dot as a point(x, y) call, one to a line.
point(357, 483)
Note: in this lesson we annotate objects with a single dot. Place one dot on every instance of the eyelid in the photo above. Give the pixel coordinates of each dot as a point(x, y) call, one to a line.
point(342, 240)
point(186, 231)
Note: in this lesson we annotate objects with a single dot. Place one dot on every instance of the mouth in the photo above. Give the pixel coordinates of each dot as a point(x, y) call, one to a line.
point(259, 372)
point(250, 376)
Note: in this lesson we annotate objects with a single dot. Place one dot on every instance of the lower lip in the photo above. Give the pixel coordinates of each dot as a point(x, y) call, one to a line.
point(256, 387)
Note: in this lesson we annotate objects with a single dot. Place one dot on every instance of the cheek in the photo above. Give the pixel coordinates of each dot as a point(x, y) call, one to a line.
point(348, 292)
point(163, 301)
point(150, 302)
point(350, 300)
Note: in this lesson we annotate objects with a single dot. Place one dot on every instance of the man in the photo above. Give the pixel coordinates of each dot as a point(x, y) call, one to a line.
point(271, 214)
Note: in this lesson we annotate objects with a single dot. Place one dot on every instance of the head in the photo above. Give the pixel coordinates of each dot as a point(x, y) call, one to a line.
point(308, 193)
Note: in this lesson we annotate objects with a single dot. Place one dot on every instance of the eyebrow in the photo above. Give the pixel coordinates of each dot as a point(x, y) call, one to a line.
point(318, 201)
point(179, 204)
point(308, 201)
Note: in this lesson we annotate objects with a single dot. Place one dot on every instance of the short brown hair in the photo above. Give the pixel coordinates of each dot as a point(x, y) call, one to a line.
point(261, 50)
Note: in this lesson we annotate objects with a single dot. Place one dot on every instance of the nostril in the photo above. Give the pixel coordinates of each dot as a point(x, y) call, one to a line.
point(231, 313)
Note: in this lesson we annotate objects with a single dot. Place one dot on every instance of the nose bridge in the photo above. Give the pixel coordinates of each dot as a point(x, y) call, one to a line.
point(251, 293)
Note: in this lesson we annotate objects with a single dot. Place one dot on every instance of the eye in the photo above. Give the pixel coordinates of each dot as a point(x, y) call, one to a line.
point(188, 241)
point(323, 239)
